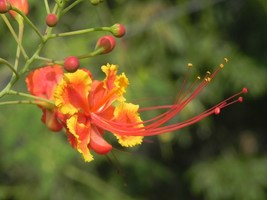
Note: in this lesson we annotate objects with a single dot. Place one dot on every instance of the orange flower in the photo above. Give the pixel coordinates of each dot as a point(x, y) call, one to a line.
point(79, 97)
point(87, 108)
point(41, 83)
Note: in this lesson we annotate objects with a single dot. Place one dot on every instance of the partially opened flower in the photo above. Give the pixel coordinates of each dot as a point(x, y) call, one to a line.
point(41, 83)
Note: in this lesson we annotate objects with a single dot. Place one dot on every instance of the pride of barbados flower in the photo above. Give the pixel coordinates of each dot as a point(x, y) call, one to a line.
point(88, 108)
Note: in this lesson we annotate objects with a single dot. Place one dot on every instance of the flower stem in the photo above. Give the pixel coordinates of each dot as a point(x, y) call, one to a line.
point(10, 67)
point(94, 53)
point(79, 32)
point(13, 92)
point(47, 7)
point(19, 102)
point(21, 29)
point(28, 21)
point(12, 31)
point(48, 60)
point(71, 6)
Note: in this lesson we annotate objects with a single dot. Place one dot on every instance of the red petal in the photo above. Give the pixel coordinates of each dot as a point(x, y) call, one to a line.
point(98, 143)
point(41, 82)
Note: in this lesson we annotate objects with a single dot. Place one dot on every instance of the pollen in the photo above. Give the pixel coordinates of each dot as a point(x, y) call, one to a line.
point(208, 79)
point(226, 60)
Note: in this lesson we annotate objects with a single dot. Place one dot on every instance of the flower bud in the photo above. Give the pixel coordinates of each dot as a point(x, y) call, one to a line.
point(22, 5)
point(118, 30)
point(71, 63)
point(106, 43)
point(4, 6)
point(51, 20)
point(96, 2)
point(50, 119)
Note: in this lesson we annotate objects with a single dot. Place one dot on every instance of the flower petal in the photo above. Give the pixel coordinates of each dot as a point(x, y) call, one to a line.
point(79, 127)
point(97, 142)
point(50, 119)
point(127, 113)
point(111, 73)
point(71, 94)
point(42, 82)
point(113, 81)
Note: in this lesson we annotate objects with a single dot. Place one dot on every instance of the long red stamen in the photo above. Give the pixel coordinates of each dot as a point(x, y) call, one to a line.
point(132, 129)
point(156, 125)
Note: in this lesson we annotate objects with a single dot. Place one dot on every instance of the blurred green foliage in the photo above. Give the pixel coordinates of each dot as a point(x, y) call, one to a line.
point(222, 157)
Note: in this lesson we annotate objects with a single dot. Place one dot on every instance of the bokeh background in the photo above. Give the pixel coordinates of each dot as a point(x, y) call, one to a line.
point(221, 157)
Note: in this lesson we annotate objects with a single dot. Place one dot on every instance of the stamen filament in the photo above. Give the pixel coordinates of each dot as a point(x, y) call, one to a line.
point(155, 128)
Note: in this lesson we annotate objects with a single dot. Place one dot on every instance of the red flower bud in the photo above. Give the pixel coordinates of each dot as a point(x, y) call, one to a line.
point(51, 20)
point(106, 43)
point(71, 63)
point(118, 30)
point(4, 6)
point(22, 5)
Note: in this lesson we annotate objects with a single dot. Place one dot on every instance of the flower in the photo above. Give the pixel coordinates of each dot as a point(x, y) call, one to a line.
point(22, 5)
point(88, 108)
point(41, 83)
point(79, 97)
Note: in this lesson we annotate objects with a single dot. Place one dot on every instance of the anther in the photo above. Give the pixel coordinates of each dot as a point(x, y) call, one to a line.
point(208, 72)
point(221, 65)
point(217, 111)
point(208, 79)
point(240, 99)
point(225, 60)
point(189, 65)
point(245, 90)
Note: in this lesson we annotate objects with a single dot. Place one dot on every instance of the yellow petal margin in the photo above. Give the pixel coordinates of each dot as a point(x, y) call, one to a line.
point(71, 91)
point(128, 113)
point(114, 81)
point(81, 132)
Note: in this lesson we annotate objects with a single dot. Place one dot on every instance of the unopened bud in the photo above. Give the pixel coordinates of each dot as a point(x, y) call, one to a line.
point(22, 5)
point(118, 30)
point(71, 64)
point(4, 6)
point(96, 2)
point(106, 43)
point(51, 20)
